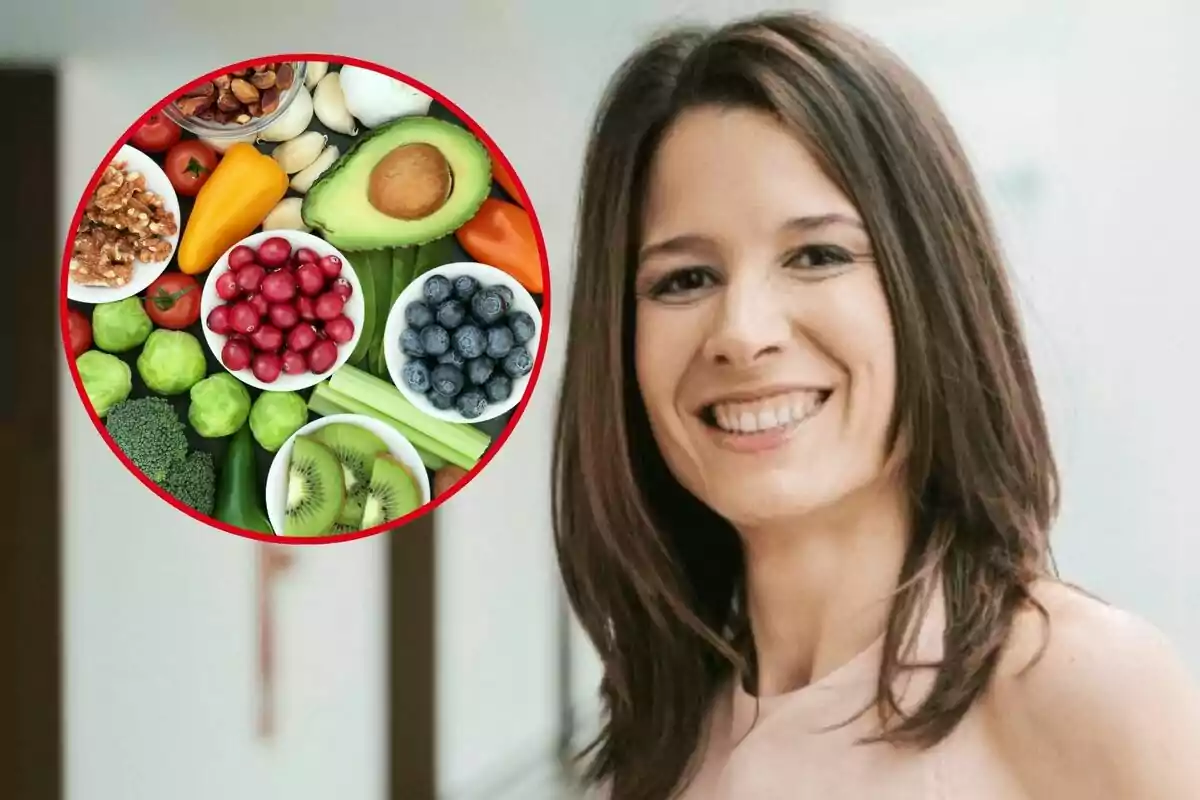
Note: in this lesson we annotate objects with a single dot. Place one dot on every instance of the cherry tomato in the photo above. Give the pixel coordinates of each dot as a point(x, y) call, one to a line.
point(188, 165)
point(173, 301)
point(156, 134)
point(81, 333)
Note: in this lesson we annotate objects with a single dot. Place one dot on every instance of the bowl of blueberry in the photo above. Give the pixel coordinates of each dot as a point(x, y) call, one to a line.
point(461, 342)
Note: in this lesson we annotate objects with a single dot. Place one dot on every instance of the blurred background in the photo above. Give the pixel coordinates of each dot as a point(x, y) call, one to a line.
point(439, 662)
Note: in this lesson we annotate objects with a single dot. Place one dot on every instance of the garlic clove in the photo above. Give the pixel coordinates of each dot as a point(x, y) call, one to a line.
point(296, 154)
point(286, 216)
point(329, 104)
point(304, 179)
point(293, 121)
point(314, 72)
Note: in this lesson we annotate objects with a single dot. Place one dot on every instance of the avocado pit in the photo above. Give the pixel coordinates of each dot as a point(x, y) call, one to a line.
point(411, 182)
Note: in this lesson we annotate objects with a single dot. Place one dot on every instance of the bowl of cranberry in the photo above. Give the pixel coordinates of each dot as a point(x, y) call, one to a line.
point(282, 310)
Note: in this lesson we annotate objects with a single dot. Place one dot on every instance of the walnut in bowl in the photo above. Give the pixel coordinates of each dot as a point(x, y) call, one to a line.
point(239, 103)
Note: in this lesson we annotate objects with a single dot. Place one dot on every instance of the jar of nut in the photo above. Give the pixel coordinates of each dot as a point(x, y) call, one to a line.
point(239, 103)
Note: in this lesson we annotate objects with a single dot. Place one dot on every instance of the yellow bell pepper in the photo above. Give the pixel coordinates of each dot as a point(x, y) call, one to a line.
point(239, 194)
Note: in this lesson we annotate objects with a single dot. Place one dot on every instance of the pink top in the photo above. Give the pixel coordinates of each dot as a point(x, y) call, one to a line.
point(785, 754)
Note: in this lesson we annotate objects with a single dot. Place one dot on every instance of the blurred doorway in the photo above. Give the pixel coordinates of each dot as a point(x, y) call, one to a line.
point(30, 577)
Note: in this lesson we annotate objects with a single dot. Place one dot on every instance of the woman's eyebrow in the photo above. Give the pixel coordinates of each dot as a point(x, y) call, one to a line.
point(817, 221)
point(693, 242)
point(684, 243)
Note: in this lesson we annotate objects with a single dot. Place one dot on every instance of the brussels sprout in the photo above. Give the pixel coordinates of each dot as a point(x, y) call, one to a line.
point(119, 327)
point(106, 379)
point(275, 417)
point(172, 362)
point(220, 406)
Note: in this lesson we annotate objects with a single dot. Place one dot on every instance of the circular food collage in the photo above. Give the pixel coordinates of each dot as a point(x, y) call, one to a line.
point(304, 298)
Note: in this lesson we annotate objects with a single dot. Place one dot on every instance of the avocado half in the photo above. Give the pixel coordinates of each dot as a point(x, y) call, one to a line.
point(337, 205)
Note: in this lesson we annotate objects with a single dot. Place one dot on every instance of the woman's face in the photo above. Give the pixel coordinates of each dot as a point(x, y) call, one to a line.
point(764, 344)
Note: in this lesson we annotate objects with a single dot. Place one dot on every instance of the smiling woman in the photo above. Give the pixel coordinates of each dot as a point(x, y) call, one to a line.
point(804, 484)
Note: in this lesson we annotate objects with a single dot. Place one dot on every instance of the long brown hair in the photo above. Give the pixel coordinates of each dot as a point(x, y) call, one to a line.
point(653, 573)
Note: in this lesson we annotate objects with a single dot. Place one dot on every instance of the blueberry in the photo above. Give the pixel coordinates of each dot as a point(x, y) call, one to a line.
point(488, 306)
point(452, 357)
point(480, 369)
point(507, 294)
point(418, 315)
point(522, 326)
point(469, 341)
point(499, 388)
point(451, 314)
point(447, 379)
point(472, 403)
point(435, 340)
point(518, 362)
point(499, 341)
point(465, 287)
point(437, 290)
point(440, 401)
point(410, 343)
point(416, 376)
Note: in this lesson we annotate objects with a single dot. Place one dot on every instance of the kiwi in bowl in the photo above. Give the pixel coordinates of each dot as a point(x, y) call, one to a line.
point(342, 474)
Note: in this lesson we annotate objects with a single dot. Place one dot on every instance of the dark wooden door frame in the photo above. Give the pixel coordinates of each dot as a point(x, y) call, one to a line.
point(31, 762)
point(412, 645)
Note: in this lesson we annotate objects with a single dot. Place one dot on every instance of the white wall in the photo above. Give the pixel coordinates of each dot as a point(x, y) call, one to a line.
point(1097, 103)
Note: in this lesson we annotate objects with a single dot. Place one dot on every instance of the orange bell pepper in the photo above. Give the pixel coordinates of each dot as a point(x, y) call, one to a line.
point(239, 194)
point(506, 181)
point(501, 235)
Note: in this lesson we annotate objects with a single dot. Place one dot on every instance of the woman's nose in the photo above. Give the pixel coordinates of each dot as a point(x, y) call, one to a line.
point(750, 323)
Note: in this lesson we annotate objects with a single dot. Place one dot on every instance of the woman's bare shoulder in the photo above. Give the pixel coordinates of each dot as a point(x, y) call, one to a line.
point(1097, 705)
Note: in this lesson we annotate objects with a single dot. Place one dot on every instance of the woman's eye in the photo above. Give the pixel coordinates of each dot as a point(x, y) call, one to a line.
point(681, 281)
point(820, 256)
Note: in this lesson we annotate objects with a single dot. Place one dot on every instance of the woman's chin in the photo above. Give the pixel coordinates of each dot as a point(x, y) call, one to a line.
point(761, 500)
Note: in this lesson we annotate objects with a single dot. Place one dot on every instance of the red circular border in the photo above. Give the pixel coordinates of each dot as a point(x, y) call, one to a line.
point(435, 502)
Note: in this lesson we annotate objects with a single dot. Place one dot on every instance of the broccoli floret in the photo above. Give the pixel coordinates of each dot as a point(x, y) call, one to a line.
point(193, 482)
point(150, 434)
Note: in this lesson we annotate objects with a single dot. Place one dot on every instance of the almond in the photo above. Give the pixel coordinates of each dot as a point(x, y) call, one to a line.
point(244, 91)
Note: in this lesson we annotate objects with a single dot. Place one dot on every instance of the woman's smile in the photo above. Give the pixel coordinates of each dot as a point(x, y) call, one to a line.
point(753, 422)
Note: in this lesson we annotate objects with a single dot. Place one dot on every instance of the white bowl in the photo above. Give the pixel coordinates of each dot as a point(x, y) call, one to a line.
point(354, 309)
point(396, 358)
point(398, 446)
point(143, 274)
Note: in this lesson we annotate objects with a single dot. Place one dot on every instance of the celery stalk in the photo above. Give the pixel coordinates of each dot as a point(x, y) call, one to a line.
point(383, 396)
point(435, 455)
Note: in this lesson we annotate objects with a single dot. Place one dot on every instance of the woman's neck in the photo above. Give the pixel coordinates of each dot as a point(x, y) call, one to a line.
point(818, 590)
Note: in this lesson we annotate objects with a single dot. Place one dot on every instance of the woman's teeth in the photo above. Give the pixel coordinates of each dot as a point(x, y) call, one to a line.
point(773, 412)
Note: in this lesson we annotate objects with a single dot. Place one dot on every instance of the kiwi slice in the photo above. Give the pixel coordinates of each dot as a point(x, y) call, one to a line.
point(315, 489)
point(356, 448)
point(338, 529)
point(391, 494)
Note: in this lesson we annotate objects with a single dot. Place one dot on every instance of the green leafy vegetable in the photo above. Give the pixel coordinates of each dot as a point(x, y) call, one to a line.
point(120, 327)
point(150, 434)
point(220, 406)
point(172, 362)
point(361, 263)
point(435, 254)
point(106, 379)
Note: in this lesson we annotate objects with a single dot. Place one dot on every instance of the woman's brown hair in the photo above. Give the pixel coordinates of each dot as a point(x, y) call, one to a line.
point(653, 573)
